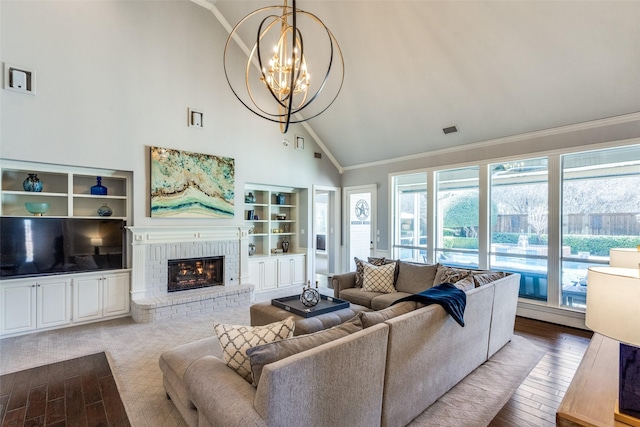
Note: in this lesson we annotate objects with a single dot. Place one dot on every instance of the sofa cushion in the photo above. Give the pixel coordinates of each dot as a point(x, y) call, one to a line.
point(235, 340)
point(360, 267)
point(358, 296)
point(268, 353)
point(378, 279)
point(370, 318)
point(449, 275)
point(414, 277)
point(485, 278)
point(385, 300)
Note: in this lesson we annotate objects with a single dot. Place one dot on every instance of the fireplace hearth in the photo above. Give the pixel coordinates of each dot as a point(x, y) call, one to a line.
point(195, 273)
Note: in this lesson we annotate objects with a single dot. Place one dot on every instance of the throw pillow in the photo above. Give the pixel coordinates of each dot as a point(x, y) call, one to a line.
point(379, 279)
point(268, 353)
point(236, 340)
point(370, 318)
point(449, 275)
point(413, 277)
point(360, 267)
point(483, 279)
point(465, 284)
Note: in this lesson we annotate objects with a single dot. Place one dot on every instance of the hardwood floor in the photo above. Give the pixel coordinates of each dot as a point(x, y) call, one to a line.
point(77, 392)
point(538, 397)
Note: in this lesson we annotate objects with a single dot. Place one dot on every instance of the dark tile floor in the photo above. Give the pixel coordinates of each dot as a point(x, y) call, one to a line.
point(76, 392)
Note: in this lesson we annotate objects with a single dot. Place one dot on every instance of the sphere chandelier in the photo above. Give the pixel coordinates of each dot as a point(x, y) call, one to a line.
point(282, 76)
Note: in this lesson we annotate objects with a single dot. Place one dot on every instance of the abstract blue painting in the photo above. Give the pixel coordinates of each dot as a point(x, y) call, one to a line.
point(191, 185)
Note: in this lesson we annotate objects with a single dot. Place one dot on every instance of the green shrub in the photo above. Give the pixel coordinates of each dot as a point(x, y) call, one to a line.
point(598, 245)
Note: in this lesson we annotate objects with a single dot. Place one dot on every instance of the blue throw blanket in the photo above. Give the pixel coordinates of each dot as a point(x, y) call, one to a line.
point(452, 299)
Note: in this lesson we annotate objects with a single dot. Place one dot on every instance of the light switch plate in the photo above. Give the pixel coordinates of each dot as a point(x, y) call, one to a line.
point(19, 79)
point(196, 118)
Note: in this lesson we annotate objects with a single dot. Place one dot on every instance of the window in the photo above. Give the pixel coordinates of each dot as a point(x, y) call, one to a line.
point(547, 218)
point(458, 222)
point(410, 217)
point(600, 211)
point(519, 223)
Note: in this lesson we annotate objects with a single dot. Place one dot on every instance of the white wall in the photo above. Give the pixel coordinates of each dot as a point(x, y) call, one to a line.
point(115, 77)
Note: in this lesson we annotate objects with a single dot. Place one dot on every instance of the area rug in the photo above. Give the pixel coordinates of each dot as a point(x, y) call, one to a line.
point(478, 398)
point(80, 391)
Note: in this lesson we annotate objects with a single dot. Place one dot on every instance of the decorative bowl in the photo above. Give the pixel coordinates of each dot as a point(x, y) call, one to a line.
point(37, 208)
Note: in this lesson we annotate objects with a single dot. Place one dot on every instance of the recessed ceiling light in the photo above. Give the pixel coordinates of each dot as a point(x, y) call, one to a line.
point(450, 129)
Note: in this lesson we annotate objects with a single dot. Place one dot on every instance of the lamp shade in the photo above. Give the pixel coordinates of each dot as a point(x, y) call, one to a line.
point(613, 303)
point(96, 241)
point(624, 257)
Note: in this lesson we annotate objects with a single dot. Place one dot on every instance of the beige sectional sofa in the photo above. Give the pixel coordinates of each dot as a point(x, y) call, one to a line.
point(406, 357)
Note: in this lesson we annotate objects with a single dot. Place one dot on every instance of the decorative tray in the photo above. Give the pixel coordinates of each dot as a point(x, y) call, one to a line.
point(325, 305)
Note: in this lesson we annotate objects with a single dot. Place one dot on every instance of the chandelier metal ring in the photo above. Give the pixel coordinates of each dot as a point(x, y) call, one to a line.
point(284, 78)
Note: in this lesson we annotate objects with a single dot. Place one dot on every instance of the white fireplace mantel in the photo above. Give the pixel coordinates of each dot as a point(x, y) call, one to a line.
point(143, 237)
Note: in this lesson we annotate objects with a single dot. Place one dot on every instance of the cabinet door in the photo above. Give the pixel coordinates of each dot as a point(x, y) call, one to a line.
point(116, 294)
point(18, 303)
point(255, 275)
point(269, 274)
point(299, 275)
point(285, 272)
point(53, 302)
point(87, 298)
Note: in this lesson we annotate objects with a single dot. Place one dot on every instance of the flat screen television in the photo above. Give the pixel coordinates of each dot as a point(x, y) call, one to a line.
point(31, 247)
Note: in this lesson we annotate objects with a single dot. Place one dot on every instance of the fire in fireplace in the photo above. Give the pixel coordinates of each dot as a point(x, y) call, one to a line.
point(195, 273)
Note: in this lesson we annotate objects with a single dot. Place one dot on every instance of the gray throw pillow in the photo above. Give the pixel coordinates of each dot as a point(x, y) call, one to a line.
point(414, 278)
point(262, 355)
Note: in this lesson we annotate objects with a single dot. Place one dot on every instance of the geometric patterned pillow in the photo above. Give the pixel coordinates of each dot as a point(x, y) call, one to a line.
point(465, 284)
point(379, 279)
point(485, 278)
point(360, 267)
point(235, 340)
point(450, 275)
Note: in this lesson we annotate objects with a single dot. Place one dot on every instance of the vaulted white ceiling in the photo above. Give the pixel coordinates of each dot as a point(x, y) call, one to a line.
point(492, 68)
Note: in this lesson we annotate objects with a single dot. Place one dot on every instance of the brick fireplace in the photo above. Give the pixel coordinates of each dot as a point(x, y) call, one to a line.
point(154, 247)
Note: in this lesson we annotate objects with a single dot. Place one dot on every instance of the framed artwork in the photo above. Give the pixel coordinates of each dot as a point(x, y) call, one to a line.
point(191, 185)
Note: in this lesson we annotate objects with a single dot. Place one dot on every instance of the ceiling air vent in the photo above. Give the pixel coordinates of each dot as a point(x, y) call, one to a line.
point(450, 129)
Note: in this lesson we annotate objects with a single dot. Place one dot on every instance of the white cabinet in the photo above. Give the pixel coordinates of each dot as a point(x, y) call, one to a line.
point(53, 303)
point(291, 270)
point(18, 308)
point(101, 295)
point(33, 304)
point(277, 271)
point(263, 273)
point(115, 295)
point(87, 298)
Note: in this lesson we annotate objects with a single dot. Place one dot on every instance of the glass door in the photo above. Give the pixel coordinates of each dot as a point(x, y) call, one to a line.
point(360, 223)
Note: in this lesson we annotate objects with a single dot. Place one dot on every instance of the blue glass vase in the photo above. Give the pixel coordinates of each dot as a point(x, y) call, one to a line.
point(32, 183)
point(99, 189)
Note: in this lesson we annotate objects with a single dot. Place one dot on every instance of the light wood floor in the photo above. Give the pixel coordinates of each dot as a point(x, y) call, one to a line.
point(538, 397)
